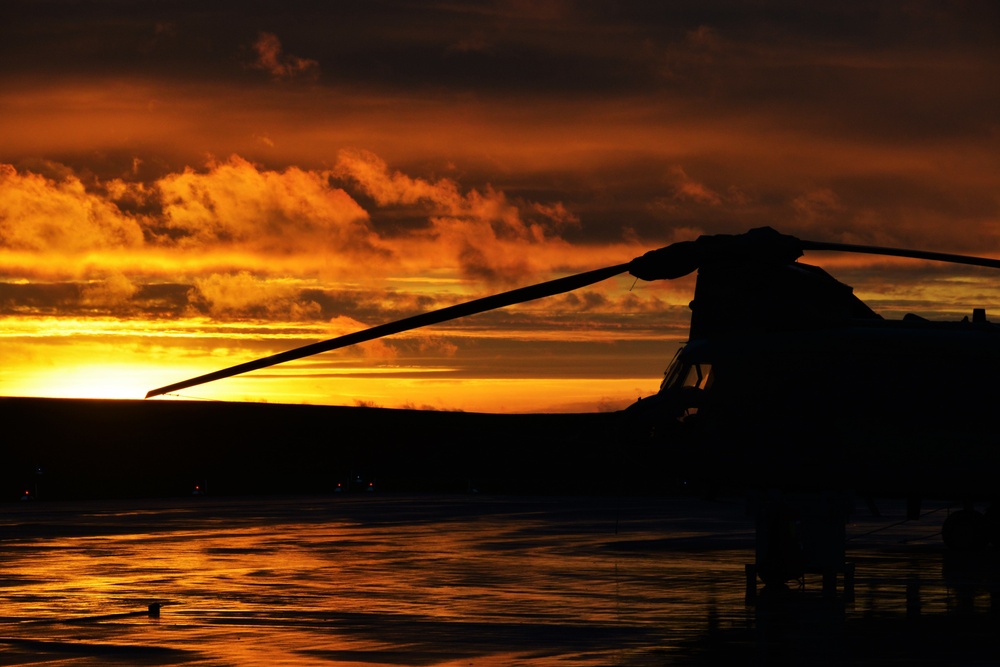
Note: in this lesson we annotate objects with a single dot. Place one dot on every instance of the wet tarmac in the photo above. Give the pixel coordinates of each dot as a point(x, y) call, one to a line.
point(469, 580)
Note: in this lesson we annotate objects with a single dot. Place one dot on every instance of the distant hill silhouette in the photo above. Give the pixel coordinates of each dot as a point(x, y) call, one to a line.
point(68, 448)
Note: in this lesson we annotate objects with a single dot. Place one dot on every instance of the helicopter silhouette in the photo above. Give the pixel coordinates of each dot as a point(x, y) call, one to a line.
point(789, 381)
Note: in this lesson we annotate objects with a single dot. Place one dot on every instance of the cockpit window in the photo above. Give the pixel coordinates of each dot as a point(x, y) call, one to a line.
point(685, 385)
point(673, 372)
point(698, 375)
point(686, 373)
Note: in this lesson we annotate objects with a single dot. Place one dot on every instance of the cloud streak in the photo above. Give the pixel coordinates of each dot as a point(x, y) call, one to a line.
point(244, 296)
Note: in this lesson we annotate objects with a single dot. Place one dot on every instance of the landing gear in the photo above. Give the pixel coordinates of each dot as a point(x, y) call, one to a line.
point(799, 534)
point(967, 530)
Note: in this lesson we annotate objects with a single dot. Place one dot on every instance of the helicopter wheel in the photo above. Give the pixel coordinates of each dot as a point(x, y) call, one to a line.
point(966, 530)
point(993, 523)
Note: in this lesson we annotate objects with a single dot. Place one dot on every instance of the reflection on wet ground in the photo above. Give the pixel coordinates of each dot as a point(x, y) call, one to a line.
point(393, 580)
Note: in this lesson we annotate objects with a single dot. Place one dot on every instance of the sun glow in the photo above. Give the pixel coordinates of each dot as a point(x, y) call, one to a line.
point(99, 380)
point(108, 358)
point(382, 387)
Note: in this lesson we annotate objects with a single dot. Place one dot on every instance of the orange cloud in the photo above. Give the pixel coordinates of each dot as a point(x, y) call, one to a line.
point(114, 291)
point(389, 349)
point(243, 295)
point(235, 203)
point(688, 189)
point(443, 198)
point(491, 237)
point(381, 350)
point(560, 216)
point(372, 173)
point(273, 60)
point(816, 208)
point(233, 216)
point(43, 215)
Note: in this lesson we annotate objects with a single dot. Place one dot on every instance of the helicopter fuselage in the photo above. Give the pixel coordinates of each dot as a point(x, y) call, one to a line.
point(882, 407)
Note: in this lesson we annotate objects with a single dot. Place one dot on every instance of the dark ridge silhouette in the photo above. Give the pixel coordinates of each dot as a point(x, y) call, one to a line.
point(69, 448)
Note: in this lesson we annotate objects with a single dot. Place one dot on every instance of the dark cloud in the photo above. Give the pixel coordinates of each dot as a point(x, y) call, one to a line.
point(570, 47)
point(114, 296)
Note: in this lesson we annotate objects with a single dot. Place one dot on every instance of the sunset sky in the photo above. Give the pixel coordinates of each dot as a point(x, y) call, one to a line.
point(189, 185)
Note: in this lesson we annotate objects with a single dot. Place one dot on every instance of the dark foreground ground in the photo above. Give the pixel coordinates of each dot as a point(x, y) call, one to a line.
point(409, 580)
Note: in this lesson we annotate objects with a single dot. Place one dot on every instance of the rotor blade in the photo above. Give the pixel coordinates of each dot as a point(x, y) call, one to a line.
point(899, 252)
point(520, 295)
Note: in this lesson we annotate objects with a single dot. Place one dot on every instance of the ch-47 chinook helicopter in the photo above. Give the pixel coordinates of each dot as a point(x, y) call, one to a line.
point(790, 381)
